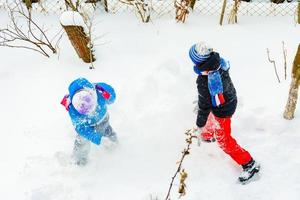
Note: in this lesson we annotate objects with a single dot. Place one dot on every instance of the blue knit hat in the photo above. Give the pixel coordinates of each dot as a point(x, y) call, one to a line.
point(200, 52)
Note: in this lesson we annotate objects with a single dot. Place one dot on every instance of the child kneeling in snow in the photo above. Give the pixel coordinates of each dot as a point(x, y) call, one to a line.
point(86, 103)
point(217, 102)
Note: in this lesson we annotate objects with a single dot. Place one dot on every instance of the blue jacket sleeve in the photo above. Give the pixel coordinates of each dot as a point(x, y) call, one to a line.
point(108, 89)
point(89, 133)
point(225, 64)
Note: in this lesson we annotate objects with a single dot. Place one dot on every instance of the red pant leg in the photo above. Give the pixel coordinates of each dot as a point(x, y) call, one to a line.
point(228, 144)
point(208, 131)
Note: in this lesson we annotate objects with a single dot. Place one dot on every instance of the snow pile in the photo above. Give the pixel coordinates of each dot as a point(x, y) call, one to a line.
point(71, 18)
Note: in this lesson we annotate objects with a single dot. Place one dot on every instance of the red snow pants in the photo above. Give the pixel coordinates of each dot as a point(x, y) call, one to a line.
point(220, 128)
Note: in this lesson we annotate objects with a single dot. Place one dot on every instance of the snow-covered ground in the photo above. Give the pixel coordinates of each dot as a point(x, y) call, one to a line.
point(149, 67)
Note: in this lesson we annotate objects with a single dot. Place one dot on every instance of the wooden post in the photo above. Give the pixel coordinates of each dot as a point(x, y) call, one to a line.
point(222, 12)
point(293, 93)
point(236, 2)
point(105, 5)
point(193, 2)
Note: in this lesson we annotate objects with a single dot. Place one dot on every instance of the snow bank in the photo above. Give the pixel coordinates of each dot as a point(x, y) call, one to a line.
point(149, 67)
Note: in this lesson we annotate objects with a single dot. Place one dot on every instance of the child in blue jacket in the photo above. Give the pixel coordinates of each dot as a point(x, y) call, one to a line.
point(86, 104)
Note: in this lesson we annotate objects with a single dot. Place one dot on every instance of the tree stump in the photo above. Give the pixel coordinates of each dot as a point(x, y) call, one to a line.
point(293, 93)
point(81, 42)
point(78, 36)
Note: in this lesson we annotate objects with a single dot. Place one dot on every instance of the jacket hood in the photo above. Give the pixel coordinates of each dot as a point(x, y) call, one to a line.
point(79, 84)
point(212, 63)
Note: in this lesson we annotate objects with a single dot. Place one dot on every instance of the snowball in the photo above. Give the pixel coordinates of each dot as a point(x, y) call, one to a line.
point(85, 101)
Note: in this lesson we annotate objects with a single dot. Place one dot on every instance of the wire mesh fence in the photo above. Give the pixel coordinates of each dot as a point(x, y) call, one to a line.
point(161, 8)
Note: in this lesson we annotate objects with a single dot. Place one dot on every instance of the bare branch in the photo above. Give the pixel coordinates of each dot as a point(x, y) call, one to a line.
point(274, 64)
point(141, 7)
point(31, 37)
point(25, 47)
point(185, 152)
point(182, 9)
point(70, 4)
point(284, 57)
point(233, 13)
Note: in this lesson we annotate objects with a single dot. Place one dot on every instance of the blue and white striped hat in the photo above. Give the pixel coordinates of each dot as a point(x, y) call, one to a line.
point(200, 52)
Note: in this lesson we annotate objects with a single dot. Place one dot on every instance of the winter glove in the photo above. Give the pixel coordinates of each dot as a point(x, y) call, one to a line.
point(66, 101)
point(199, 132)
point(104, 93)
point(196, 108)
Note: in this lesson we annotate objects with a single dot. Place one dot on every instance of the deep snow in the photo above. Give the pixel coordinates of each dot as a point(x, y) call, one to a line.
point(149, 68)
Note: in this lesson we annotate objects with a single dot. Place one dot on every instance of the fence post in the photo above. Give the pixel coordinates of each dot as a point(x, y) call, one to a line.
point(193, 4)
point(105, 6)
point(222, 12)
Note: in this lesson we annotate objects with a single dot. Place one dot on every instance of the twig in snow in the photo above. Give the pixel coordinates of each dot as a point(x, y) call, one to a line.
point(274, 64)
point(32, 36)
point(185, 152)
point(284, 57)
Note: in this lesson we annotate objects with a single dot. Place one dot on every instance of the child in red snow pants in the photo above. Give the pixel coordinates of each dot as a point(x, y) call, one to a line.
point(217, 102)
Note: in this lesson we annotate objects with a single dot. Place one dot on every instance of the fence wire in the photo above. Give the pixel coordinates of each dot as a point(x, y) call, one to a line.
point(161, 8)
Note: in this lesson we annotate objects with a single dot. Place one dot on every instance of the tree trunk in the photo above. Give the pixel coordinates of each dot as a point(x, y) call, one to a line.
point(293, 93)
point(292, 101)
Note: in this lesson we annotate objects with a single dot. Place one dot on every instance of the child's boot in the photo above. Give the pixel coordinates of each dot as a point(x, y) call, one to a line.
point(81, 151)
point(250, 169)
point(110, 134)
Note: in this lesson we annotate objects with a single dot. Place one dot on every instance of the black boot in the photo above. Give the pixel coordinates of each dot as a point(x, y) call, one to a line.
point(249, 170)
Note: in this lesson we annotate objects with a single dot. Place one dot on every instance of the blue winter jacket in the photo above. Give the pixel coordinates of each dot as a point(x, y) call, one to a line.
point(84, 124)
